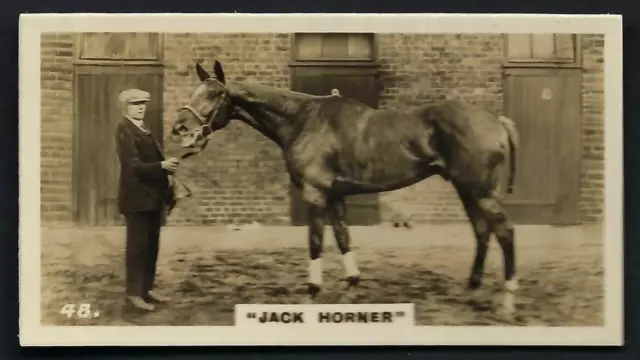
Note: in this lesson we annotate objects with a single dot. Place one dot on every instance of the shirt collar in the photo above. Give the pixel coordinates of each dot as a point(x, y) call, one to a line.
point(138, 123)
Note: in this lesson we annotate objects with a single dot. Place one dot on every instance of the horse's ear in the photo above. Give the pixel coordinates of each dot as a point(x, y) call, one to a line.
point(202, 73)
point(217, 69)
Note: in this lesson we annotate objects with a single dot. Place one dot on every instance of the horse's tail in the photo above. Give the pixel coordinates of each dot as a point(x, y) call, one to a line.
point(512, 134)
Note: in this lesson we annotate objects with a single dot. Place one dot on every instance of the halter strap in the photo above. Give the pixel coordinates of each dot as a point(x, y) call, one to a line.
point(206, 129)
point(195, 112)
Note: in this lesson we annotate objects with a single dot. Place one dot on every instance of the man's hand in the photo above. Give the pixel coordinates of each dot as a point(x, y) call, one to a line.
point(170, 164)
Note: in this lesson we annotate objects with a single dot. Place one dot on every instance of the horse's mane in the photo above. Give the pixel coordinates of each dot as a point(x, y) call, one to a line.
point(288, 93)
point(271, 90)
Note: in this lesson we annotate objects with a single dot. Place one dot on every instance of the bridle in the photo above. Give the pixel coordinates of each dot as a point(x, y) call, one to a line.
point(207, 120)
point(205, 128)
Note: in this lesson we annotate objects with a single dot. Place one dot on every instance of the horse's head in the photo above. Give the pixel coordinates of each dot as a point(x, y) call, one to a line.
point(207, 111)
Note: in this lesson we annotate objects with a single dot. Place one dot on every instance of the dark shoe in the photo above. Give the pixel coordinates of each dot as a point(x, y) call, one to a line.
point(154, 297)
point(139, 304)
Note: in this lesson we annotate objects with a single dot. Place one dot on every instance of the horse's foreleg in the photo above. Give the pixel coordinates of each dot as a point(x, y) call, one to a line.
point(482, 234)
point(315, 217)
point(337, 217)
point(502, 226)
point(316, 205)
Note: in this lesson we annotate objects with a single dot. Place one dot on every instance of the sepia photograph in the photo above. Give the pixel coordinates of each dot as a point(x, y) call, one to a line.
point(315, 180)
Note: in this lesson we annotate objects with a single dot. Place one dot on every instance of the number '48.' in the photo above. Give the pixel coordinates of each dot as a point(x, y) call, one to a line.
point(83, 311)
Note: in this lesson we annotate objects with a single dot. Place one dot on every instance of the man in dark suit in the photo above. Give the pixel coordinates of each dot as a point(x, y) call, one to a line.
point(144, 192)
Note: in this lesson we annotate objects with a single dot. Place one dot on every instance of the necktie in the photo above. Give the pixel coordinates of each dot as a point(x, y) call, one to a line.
point(144, 128)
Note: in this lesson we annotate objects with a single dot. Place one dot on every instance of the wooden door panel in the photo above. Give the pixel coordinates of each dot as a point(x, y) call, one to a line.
point(545, 104)
point(96, 169)
point(362, 86)
point(568, 157)
point(83, 171)
point(537, 120)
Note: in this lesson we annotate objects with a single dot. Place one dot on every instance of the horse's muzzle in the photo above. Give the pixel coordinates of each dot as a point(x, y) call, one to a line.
point(175, 137)
point(189, 142)
point(181, 135)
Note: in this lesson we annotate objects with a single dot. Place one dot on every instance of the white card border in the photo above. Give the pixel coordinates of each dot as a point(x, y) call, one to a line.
point(31, 26)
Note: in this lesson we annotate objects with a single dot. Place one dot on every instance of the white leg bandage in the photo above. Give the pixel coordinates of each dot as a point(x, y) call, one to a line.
point(509, 296)
point(511, 285)
point(350, 266)
point(315, 271)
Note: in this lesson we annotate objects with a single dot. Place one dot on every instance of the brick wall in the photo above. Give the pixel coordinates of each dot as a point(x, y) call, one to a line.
point(243, 177)
point(56, 127)
point(592, 175)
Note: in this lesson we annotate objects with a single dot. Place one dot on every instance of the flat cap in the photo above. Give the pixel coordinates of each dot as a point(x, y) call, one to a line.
point(133, 95)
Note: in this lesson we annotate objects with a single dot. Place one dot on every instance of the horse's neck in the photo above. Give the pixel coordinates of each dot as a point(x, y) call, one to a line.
point(271, 111)
point(282, 101)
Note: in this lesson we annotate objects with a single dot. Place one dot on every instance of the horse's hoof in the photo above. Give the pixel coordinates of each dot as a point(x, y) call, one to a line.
point(353, 281)
point(508, 313)
point(508, 309)
point(474, 283)
point(313, 290)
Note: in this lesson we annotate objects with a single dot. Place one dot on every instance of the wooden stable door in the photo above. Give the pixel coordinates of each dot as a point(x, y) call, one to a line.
point(96, 166)
point(359, 84)
point(546, 107)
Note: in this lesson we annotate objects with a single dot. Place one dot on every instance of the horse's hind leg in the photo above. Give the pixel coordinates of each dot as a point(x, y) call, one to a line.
point(337, 217)
point(482, 233)
point(502, 227)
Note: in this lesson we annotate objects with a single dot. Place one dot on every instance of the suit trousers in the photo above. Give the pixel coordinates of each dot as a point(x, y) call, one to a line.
point(142, 245)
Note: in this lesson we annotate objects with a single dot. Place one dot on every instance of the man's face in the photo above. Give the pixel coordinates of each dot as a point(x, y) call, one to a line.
point(136, 110)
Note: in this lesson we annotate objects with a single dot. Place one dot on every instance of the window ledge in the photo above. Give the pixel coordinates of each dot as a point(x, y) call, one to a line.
point(335, 63)
point(117, 62)
point(544, 65)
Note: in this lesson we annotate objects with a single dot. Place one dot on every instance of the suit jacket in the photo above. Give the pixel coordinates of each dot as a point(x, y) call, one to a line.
point(144, 184)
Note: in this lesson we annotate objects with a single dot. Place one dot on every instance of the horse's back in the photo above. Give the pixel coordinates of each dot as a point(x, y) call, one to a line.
point(371, 146)
point(466, 121)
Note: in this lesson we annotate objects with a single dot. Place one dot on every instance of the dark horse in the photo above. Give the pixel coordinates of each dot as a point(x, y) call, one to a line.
point(334, 146)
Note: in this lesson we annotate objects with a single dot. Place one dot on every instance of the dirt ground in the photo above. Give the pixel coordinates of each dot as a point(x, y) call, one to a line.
point(207, 270)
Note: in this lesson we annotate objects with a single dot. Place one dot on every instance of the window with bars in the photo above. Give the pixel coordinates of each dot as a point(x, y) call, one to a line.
point(334, 47)
point(542, 48)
